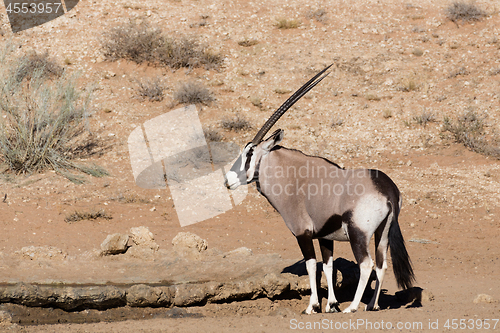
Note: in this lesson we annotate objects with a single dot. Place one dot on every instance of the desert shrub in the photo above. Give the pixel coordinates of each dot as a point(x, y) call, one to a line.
point(87, 215)
point(237, 123)
point(282, 91)
point(256, 101)
point(137, 43)
point(283, 23)
point(372, 97)
point(462, 11)
point(129, 198)
point(151, 89)
point(42, 118)
point(417, 30)
point(318, 15)
point(424, 118)
point(143, 43)
point(212, 135)
point(409, 84)
point(34, 61)
point(469, 130)
point(248, 42)
point(193, 93)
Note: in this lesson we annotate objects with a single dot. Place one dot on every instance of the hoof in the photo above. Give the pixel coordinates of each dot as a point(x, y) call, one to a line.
point(312, 309)
point(349, 310)
point(372, 308)
point(332, 308)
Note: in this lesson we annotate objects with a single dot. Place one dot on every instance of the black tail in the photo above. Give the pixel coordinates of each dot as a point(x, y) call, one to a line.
point(401, 263)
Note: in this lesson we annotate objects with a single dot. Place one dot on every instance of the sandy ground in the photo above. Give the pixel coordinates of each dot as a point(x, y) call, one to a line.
point(451, 195)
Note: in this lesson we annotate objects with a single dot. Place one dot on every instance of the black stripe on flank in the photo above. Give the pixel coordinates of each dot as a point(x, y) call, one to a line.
point(333, 224)
point(359, 243)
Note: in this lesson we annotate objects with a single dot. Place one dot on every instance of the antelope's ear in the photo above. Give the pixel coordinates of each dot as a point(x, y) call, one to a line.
point(273, 140)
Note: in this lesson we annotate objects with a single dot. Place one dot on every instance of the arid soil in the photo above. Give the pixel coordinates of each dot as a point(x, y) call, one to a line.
point(393, 62)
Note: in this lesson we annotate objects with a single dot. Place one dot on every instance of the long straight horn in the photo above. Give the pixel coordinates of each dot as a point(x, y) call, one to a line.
point(288, 104)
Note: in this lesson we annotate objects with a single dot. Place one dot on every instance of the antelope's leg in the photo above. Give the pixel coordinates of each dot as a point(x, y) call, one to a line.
point(307, 247)
point(331, 278)
point(381, 245)
point(359, 244)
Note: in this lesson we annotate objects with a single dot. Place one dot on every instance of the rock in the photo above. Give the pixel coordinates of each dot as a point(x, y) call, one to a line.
point(114, 244)
point(97, 297)
point(109, 75)
point(5, 318)
point(188, 240)
point(42, 252)
point(143, 253)
point(141, 236)
point(192, 294)
point(245, 289)
point(142, 295)
point(241, 251)
point(66, 298)
point(415, 295)
point(275, 285)
point(483, 298)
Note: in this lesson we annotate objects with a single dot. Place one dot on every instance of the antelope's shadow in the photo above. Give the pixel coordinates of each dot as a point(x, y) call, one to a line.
point(345, 290)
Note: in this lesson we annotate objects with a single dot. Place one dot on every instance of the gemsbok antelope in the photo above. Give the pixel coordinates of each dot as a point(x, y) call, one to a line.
point(320, 200)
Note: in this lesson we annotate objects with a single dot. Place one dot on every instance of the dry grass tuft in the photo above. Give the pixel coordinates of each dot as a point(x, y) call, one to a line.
point(212, 135)
point(193, 93)
point(43, 117)
point(142, 43)
point(387, 114)
point(282, 91)
point(463, 11)
point(372, 97)
point(424, 118)
point(87, 215)
point(237, 123)
point(318, 15)
point(468, 129)
point(129, 198)
point(409, 84)
point(283, 23)
point(37, 62)
point(256, 101)
point(151, 89)
point(248, 42)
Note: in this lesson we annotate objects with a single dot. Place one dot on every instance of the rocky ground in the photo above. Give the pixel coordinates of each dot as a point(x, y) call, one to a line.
point(395, 64)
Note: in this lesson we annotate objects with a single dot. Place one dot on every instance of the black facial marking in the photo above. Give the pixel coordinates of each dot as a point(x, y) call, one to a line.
point(249, 158)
